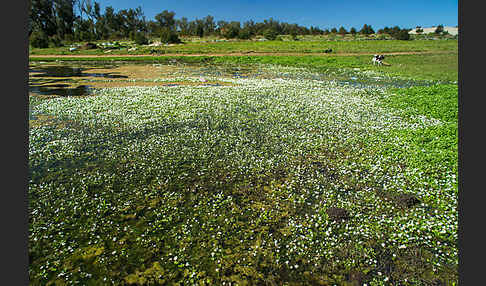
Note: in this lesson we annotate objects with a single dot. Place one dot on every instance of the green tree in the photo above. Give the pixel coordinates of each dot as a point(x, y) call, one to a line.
point(439, 29)
point(209, 26)
point(131, 20)
point(386, 30)
point(315, 30)
point(200, 25)
point(244, 34)
point(139, 38)
point(250, 27)
point(293, 34)
point(165, 19)
point(111, 19)
point(64, 11)
point(231, 30)
point(169, 36)
point(342, 31)
point(183, 26)
point(353, 31)
point(270, 34)
point(42, 16)
point(39, 39)
point(220, 26)
point(367, 30)
point(402, 35)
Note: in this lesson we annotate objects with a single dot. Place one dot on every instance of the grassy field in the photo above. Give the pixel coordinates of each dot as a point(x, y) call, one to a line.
point(288, 174)
point(305, 47)
point(441, 67)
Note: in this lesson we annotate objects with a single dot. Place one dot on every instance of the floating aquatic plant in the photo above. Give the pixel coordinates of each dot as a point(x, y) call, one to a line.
point(224, 184)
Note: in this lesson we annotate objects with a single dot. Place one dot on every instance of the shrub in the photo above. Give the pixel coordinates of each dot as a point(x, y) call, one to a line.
point(293, 34)
point(367, 30)
point(342, 31)
point(55, 41)
point(39, 40)
point(270, 34)
point(68, 38)
point(382, 36)
point(200, 31)
point(169, 37)
point(85, 36)
point(115, 36)
point(402, 35)
point(439, 29)
point(140, 38)
point(131, 35)
point(231, 32)
point(244, 34)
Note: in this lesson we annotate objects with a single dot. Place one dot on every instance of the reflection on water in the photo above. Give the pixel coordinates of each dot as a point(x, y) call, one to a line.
point(69, 71)
point(54, 79)
point(61, 90)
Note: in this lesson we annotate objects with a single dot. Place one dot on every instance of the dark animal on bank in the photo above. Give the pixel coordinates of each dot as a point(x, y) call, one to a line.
point(328, 51)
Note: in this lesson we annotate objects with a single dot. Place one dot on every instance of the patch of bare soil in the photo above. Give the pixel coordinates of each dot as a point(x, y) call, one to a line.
point(137, 71)
point(337, 214)
point(406, 200)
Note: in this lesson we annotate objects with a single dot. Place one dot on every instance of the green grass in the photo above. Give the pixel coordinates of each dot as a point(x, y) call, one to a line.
point(440, 141)
point(339, 47)
point(441, 64)
point(443, 67)
point(438, 101)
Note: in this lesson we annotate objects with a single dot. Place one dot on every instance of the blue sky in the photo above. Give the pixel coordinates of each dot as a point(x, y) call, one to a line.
point(322, 14)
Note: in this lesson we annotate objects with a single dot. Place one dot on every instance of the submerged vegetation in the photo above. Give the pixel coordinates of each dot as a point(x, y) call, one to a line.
point(282, 176)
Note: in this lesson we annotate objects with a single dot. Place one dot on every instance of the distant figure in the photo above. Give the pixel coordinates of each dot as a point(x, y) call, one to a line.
point(328, 51)
point(378, 59)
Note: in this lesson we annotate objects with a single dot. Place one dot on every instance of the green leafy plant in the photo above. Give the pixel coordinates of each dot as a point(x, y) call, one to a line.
point(169, 36)
point(39, 39)
point(270, 34)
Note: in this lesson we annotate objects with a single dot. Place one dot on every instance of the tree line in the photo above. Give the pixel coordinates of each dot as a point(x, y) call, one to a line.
point(54, 21)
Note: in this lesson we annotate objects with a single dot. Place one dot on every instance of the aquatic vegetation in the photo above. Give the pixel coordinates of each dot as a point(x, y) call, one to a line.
point(272, 178)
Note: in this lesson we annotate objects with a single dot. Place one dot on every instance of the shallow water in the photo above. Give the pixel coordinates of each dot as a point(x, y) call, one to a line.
point(67, 79)
point(60, 80)
point(69, 71)
point(61, 90)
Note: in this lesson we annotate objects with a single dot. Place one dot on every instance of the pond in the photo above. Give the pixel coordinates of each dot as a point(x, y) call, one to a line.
point(65, 79)
point(206, 169)
point(80, 79)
